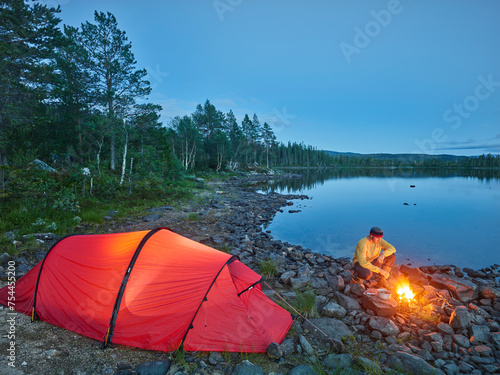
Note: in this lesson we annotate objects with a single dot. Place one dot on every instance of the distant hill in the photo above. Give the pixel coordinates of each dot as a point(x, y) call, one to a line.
point(401, 157)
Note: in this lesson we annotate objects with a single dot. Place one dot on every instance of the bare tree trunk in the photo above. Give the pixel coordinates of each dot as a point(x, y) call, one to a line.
point(99, 144)
point(124, 163)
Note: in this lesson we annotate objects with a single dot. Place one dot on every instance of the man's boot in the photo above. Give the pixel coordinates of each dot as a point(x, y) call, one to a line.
point(382, 282)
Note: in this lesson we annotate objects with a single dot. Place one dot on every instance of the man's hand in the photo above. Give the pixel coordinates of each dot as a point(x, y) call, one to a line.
point(381, 258)
point(384, 273)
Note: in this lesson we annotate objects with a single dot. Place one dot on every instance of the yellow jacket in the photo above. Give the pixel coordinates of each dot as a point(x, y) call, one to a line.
point(368, 251)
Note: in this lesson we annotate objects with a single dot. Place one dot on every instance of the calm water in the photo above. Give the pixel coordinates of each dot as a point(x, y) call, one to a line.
point(443, 219)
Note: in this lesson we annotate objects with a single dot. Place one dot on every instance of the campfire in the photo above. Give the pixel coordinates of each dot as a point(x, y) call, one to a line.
point(404, 291)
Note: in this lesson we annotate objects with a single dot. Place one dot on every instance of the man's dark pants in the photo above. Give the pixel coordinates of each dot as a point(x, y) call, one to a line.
point(364, 273)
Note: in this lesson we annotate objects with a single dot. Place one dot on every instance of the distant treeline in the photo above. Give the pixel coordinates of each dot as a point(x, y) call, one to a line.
point(420, 161)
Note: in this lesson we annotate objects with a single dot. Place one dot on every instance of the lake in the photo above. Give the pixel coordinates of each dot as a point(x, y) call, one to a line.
point(431, 217)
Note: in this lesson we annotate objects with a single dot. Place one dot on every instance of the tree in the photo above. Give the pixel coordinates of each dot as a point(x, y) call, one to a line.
point(254, 134)
point(28, 37)
point(236, 139)
point(269, 139)
point(188, 138)
point(209, 122)
point(246, 127)
point(112, 64)
point(73, 88)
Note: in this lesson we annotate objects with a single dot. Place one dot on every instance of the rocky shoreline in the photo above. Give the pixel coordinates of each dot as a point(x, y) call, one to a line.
point(452, 326)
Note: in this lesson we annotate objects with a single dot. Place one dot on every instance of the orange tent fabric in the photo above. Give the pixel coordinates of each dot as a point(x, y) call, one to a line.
point(151, 289)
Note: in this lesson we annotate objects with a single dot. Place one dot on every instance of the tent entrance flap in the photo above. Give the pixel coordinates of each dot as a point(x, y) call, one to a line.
point(229, 261)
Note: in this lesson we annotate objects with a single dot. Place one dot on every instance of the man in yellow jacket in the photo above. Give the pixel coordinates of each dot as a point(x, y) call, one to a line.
point(373, 255)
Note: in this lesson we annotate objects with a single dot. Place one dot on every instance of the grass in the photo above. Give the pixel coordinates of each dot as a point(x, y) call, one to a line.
point(268, 268)
point(225, 248)
point(179, 358)
point(306, 304)
point(193, 216)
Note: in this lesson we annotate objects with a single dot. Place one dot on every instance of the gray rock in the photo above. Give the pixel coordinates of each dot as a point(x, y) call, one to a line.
point(335, 329)
point(445, 328)
point(479, 334)
point(247, 368)
point(370, 366)
point(380, 307)
point(334, 310)
point(347, 302)
point(215, 358)
point(464, 290)
point(302, 370)
point(465, 367)
point(461, 340)
point(153, 368)
point(286, 276)
point(338, 361)
point(42, 165)
point(274, 351)
point(489, 292)
point(385, 326)
point(296, 255)
point(288, 347)
point(434, 337)
point(306, 347)
point(411, 364)
point(5, 257)
point(460, 318)
point(299, 282)
point(151, 218)
point(451, 368)
point(41, 236)
point(495, 340)
point(335, 283)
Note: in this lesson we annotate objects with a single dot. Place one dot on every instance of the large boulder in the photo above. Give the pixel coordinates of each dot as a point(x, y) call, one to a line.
point(411, 364)
point(334, 310)
point(385, 326)
point(347, 302)
point(461, 289)
point(334, 330)
point(380, 307)
point(415, 275)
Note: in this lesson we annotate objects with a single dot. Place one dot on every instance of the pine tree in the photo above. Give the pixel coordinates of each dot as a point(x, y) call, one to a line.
point(112, 64)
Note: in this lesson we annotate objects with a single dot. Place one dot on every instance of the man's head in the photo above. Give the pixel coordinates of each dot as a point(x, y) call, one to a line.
point(376, 234)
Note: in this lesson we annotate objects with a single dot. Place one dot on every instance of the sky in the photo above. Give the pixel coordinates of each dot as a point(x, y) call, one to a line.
point(365, 76)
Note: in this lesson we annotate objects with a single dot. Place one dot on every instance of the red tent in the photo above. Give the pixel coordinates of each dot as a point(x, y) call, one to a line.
point(153, 290)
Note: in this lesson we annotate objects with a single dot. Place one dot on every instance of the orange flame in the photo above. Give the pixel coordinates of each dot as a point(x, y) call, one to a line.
point(404, 291)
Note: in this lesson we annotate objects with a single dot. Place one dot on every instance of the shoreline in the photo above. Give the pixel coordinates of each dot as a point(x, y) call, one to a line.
point(230, 217)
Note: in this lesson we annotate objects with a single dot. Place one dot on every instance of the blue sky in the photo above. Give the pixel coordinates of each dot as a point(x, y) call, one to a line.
point(367, 76)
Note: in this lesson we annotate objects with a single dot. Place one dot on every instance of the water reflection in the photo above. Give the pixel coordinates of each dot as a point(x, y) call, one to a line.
point(314, 177)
